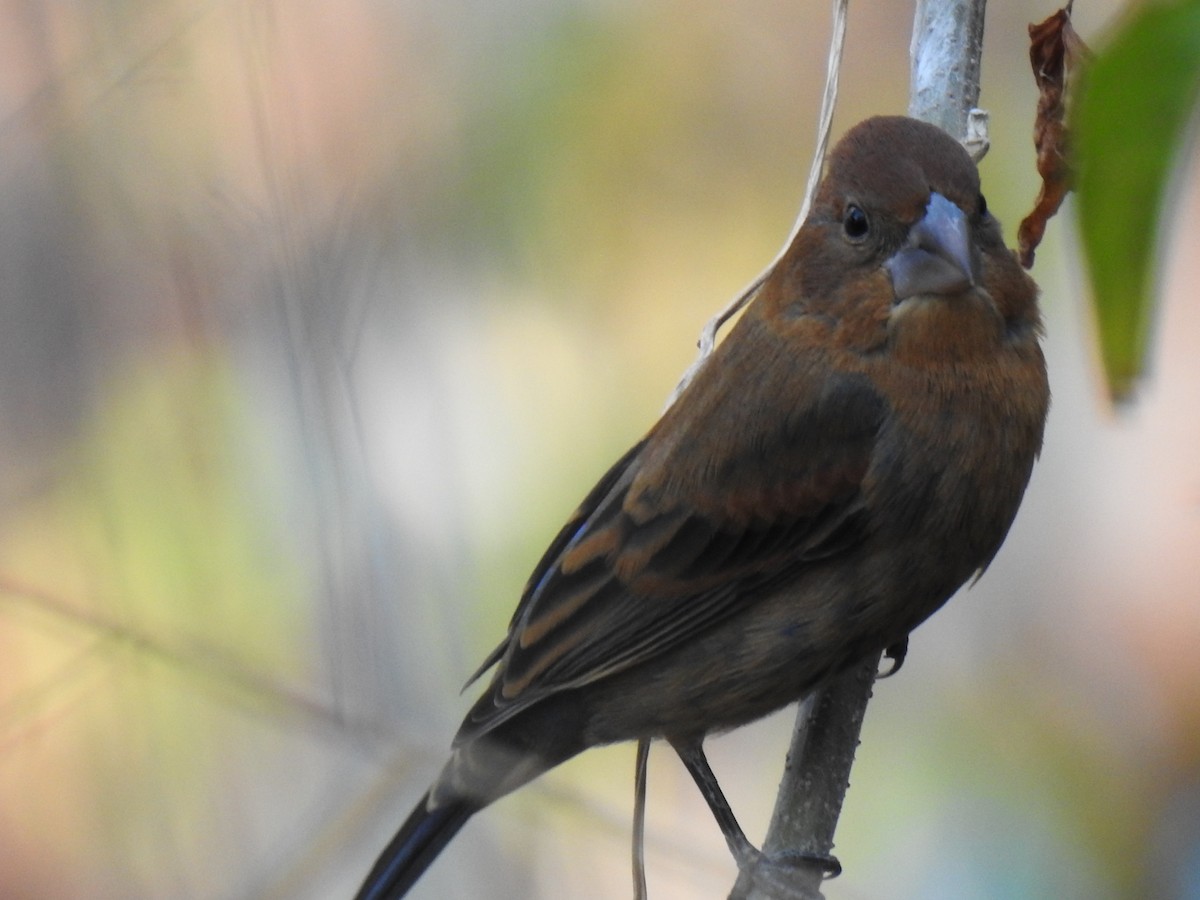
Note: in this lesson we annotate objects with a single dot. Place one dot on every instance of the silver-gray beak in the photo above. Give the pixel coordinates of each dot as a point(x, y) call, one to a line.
point(936, 259)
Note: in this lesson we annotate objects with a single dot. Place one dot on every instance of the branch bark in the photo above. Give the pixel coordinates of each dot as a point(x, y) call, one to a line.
point(944, 90)
point(946, 47)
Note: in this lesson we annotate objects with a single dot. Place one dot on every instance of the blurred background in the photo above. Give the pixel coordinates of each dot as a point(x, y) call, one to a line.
point(317, 319)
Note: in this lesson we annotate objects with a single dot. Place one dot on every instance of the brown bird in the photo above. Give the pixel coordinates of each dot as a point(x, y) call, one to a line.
point(852, 453)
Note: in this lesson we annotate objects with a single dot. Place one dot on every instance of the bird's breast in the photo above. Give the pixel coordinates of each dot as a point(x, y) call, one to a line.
point(954, 457)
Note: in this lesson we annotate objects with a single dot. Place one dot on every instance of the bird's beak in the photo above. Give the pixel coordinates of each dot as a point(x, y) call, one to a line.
point(936, 259)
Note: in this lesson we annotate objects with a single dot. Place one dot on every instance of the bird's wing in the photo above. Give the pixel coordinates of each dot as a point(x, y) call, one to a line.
point(573, 525)
point(691, 525)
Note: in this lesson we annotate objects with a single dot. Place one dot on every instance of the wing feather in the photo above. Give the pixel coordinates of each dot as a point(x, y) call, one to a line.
point(686, 529)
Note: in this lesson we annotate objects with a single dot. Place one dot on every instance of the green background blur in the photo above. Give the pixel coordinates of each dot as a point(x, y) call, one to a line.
point(316, 319)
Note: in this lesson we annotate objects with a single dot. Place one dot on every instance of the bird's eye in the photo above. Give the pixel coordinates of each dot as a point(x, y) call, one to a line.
point(855, 223)
point(983, 210)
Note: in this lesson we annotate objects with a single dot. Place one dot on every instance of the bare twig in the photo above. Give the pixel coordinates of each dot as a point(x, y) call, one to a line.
point(708, 337)
point(946, 47)
point(639, 819)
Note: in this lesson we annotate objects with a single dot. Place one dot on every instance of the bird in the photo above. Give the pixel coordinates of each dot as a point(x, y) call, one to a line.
point(851, 453)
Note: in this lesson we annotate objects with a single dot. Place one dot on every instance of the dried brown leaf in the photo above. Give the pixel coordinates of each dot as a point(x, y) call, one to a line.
point(1054, 47)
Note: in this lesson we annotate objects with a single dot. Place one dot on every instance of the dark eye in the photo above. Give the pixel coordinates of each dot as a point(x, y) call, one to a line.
point(855, 223)
point(982, 206)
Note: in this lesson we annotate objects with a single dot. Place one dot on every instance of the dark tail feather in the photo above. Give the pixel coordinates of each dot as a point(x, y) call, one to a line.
point(415, 846)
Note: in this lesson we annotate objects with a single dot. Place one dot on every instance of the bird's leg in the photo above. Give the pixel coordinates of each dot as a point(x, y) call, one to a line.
point(691, 752)
point(639, 819)
point(896, 653)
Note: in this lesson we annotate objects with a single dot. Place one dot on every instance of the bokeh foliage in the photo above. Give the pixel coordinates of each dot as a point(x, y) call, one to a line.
point(1130, 122)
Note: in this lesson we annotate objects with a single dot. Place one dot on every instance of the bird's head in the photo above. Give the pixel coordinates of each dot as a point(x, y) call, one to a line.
point(900, 246)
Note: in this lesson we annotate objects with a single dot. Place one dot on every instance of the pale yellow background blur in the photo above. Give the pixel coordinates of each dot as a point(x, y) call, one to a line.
point(316, 319)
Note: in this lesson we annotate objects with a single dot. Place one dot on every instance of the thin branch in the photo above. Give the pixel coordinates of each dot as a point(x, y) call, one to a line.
point(708, 337)
point(947, 45)
point(946, 48)
point(815, 779)
point(639, 819)
point(214, 665)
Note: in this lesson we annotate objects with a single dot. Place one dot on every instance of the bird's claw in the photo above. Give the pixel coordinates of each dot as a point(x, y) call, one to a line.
point(828, 863)
point(895, 653)
point(781, 870)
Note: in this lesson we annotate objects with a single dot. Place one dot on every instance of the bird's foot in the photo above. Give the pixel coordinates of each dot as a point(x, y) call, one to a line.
point(827, 863)
point(749, 857)
point(788, 873)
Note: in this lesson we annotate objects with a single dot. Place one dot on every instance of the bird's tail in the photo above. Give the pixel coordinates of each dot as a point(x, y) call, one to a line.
point(418, 842)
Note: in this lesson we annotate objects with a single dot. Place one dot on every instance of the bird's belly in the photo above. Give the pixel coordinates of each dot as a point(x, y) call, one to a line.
point(775, 653)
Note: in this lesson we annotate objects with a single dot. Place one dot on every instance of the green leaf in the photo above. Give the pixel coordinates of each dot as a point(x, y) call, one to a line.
point(1133, 107)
